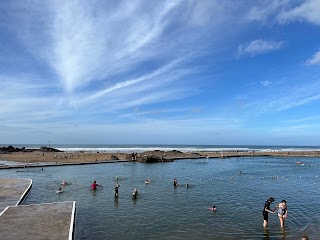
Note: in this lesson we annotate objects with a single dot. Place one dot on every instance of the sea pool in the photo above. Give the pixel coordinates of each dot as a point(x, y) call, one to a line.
point(164, 212)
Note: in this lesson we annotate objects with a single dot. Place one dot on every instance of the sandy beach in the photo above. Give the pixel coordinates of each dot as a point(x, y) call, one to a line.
point(87, 157)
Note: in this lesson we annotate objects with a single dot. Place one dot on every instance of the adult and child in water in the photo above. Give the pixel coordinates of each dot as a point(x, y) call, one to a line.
point(281, 208)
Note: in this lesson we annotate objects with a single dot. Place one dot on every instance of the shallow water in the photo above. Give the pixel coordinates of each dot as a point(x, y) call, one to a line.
point(164, 212)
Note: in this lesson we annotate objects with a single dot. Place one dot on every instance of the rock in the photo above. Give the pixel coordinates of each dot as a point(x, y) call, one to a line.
point(113, 157)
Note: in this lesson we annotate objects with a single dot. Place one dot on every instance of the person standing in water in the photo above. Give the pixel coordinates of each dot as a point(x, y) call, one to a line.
point(267, 210)
point(116, 191)
point(94, 185)
point(282, 212)
point(135, 194)
point(175, 182)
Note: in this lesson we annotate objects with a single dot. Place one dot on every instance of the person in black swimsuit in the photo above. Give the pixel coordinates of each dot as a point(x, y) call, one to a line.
point(135, 194)
point(175, 182)
point(116, 191)
point(267, 210)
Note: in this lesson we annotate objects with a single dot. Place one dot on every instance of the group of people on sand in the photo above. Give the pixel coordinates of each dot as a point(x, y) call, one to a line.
point(281, 208)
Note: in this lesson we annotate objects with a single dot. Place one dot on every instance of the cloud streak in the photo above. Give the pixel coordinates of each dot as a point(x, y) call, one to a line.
point(314, 60)
point(259, 46)
point(91, 45)
point(285, 11)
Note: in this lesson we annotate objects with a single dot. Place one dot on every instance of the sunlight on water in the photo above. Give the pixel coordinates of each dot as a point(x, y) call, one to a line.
point(164, 212)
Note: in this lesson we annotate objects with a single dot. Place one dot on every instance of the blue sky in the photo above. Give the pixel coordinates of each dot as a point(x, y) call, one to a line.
point(160, 72)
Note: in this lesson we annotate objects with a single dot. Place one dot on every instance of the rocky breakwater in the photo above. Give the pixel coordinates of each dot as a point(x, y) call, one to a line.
point(11, 149)
point(164, 156)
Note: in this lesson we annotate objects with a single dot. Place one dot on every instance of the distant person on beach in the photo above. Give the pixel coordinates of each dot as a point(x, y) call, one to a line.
point(94, 185)
point(267, 210)
point(282, 212)
point(116, 191)
point(175, 182)
point(135, 194)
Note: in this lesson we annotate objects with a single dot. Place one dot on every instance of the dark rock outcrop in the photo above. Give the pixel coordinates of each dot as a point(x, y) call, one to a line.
point(11, 149)
point(113, 157)
point(49, 149)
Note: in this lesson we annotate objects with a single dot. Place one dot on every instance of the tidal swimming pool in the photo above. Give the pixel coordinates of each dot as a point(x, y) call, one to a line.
point(164, 212)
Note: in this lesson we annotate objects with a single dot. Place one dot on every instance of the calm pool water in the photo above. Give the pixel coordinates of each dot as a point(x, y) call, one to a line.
point(164, 212)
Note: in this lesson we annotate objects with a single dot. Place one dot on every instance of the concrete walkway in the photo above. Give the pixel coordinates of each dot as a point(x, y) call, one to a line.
point(32, 222)
point(54, 221)
point(13, 191)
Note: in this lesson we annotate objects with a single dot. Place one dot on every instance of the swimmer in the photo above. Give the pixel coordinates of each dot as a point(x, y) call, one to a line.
point(116, 191)
point(187, 185)
point(175, 182)
point(64, 182)
point(214, 208)
point(59, 190)
point(94, 185)
point(135, 194)
point(147, 181)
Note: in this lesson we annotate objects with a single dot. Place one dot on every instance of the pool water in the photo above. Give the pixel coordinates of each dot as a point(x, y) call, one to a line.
point(162, 211)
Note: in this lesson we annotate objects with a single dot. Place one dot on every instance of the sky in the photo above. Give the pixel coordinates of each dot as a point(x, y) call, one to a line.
point(160, 72)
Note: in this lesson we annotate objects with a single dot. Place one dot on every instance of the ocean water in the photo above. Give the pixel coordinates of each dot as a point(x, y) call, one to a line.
point(127, 148)
point(164, 212)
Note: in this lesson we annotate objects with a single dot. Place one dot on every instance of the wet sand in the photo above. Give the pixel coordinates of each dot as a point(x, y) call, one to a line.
point(87, 157)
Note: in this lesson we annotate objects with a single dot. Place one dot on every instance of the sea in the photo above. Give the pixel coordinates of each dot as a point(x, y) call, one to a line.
point(162, 211)
point(127, 148)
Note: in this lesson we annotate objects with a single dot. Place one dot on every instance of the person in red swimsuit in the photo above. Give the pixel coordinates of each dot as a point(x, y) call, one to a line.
point(94, 185)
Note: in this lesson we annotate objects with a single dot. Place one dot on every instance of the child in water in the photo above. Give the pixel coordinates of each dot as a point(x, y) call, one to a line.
point(282, 212)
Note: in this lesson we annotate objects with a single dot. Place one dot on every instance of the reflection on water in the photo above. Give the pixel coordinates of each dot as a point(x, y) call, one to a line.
point(164, 212)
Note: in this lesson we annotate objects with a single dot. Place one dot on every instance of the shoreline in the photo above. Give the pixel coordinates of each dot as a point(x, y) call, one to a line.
point(39, 159)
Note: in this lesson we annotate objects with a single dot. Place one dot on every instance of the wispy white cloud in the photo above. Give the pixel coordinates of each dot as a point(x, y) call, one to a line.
point(265, 83)
point(305, 119)
point(286, 98)
point(263, 11)
point(300, 102)
point(308, 10)
point(314, 60)
point(284, 11)
point(128, 83)
point(259, 46)
point(269, 83)
point(91, 45)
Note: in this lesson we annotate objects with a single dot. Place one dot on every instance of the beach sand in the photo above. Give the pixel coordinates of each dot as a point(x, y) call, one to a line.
point(87, 157)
